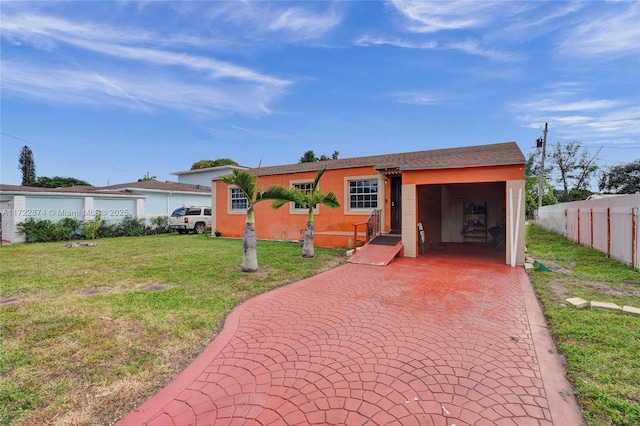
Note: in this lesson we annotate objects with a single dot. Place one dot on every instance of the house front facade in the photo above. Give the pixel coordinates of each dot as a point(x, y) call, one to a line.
point(432, 197)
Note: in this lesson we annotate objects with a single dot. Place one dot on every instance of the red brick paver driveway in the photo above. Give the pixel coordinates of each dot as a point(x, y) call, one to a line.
point(420, 342)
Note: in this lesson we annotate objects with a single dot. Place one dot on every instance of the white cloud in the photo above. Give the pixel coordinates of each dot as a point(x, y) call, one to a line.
point(267, 21)
point(573, 116)
point(141, 91)
point(302, 23)
point(367, 40)
point(556, 105)
point(415, 98)
point(188, 81)
point(430, 17)
point(613, 33)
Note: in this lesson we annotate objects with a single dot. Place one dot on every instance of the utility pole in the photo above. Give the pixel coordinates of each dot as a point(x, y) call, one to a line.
point(542, 142)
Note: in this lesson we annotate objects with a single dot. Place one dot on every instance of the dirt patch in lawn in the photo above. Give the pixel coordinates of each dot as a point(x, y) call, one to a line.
point(554, 267)
point(620, 292)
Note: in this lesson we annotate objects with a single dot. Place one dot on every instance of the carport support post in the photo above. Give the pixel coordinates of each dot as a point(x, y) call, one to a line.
point(514, 235)
point(515, 223)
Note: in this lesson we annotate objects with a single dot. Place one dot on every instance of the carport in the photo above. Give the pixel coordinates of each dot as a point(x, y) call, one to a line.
point(460, 201)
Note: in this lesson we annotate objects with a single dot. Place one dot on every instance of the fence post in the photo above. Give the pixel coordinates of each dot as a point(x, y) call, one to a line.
point(578, 226)
point(591, 225)
point(609, 232)
point(634, 235)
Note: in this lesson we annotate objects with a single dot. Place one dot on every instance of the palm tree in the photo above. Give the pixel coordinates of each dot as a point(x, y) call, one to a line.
point(309, 200)
point(247, 184)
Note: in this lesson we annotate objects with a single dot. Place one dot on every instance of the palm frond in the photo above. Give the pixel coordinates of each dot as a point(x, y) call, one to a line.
point(245, 181)
point(280, 195)
point(320, 173)
point(330, 200)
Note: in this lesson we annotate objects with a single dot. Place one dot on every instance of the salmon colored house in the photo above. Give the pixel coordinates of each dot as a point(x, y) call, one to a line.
point(472, 195)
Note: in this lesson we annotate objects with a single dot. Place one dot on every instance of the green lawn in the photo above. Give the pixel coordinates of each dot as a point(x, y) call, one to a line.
point(602, 349)
point(71, 357)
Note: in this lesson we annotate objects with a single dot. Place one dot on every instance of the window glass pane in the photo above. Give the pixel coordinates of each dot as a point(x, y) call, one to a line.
point(363, 194)
point(306, 187)
point(238, 200)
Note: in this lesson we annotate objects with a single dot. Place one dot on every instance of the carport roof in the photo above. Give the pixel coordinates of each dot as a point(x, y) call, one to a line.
point(471, 156)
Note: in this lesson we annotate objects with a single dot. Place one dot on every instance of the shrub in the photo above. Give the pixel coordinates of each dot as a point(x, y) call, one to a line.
point(44, 230)
point(159, 225)
point(69, 228)
point(35, 230)
point(131, 227)
point(91, 227)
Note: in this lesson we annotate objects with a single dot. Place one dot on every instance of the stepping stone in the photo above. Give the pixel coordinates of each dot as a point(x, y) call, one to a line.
point(606, 306)
point(631, 310)
point(528, 266)
point(578, 302)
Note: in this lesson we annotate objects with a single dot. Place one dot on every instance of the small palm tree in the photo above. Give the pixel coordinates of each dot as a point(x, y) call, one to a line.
point(247, 184)
point(309, 200)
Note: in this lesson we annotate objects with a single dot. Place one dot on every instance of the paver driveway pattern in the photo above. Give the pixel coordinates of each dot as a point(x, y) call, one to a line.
point(419, 342)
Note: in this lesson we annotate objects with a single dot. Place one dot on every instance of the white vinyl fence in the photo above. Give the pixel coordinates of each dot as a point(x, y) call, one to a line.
point(609, 225)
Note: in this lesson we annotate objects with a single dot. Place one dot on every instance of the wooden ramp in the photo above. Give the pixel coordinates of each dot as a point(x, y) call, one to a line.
point(379, 252)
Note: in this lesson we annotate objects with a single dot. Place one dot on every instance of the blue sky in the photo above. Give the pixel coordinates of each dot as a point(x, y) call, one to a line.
point(108, 91)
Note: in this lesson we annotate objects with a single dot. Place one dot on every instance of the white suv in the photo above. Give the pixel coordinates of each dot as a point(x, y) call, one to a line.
point(195, 218)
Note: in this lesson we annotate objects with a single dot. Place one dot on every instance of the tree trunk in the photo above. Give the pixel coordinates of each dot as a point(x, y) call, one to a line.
point(249, 248)
point(307, 247)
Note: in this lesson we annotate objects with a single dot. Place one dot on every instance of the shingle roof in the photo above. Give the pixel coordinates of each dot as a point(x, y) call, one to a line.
point(471, 156)
point(118, 189)
point(67, 190)
point(158, 186)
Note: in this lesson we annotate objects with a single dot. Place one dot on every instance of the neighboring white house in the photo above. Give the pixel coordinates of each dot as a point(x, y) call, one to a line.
point(146, 199)
point(162, 198)
point(204, 176)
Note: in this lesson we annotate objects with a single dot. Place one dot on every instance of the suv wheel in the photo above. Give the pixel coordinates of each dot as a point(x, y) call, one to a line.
point(199, 228)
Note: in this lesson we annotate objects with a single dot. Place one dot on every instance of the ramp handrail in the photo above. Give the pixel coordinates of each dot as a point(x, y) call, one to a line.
point(373, 227)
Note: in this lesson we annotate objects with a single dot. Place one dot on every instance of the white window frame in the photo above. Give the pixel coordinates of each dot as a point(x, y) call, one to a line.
point(292, 206)
point(231, 209)
point(347, 194)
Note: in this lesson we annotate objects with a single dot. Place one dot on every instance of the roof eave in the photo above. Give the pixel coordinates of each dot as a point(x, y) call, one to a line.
point(461, 166)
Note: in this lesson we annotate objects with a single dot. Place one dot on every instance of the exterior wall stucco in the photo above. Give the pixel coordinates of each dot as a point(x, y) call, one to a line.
point(499, 173)
point(335, 226)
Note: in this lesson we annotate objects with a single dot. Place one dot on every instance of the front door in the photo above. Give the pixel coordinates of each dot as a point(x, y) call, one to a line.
point(396, 205)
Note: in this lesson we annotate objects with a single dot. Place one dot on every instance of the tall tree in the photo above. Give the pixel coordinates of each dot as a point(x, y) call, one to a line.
point(59, 182)
point(146, 178)
point(247, 184)
point(622, 179)
point(27, 166)
point(205, 164)
point(575, 165)
point(309, 200)
point(308, 157)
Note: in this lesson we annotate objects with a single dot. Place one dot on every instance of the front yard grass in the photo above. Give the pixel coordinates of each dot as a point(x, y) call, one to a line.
point(97, 330)
point(602, 349)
